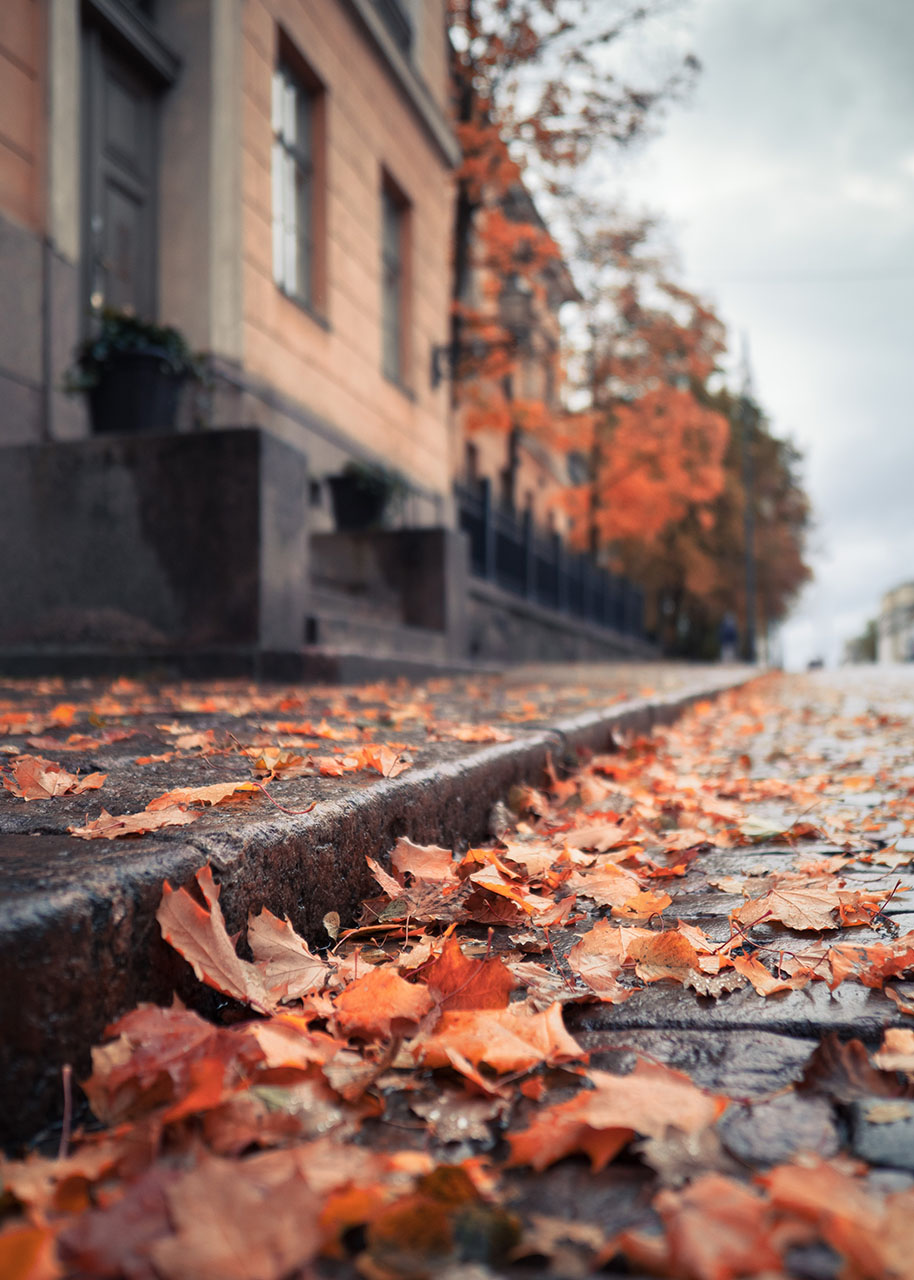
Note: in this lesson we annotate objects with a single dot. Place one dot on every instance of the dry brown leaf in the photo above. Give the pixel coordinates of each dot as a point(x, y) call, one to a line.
point(40, 779)
point(110, 826)
point(600, 1121)
point(255, 1219)
point(289, 967)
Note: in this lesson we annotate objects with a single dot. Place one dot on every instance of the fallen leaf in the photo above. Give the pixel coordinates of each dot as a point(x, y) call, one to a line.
point(716, 1229)
point(381, 1004)
point(422, 861)
point(600, 1121)
point(598, 958)
point(255, 1219)
point(39, 779)
point(460, 982)
point(503, 1039)
point(211, 795)
point(109, 826)
point(289, 967)
point(896, 1052)
point(201, 938)
point(841, 1070)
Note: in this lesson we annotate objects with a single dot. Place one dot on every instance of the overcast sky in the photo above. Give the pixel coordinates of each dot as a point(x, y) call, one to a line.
point(789, 183)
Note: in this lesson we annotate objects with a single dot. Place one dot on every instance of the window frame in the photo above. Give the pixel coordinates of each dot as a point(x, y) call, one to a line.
point(302, 158)
point(396, 282)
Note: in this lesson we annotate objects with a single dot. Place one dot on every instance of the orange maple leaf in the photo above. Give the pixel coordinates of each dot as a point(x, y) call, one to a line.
point(504, 1039)
point(460, 982)
point(201, 938)
point(381, 1004)
point(215, 793)
point(600, 1121)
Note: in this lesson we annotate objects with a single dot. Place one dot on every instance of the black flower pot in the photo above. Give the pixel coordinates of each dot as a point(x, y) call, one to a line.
point(356, 505)
point(137, 392)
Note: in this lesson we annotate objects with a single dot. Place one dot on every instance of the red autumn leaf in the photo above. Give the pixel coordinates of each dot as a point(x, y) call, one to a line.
point(503, 1039)
point(764, 982)
point(201, 938)
point(460, 982)
point(601, 1120)
point(151, 1058)
point(381, 1004)
point(40, 779)
point(642, 905)
point(110, 826)
point(386, 762)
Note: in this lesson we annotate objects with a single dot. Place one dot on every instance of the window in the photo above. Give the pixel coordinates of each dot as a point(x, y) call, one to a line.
point(396, 18)
point(295, 109)
point(394, 282)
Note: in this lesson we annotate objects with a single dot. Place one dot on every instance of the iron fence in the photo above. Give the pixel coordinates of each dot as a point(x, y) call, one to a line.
point(507, 550)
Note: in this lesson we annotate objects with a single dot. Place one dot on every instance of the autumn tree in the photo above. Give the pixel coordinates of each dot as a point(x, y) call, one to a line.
point(696, 570)
point(535, 93)
point(650, 445)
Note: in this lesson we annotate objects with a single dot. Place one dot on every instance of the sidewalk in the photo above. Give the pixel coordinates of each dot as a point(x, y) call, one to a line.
point(664, 1017)
point(78, 914)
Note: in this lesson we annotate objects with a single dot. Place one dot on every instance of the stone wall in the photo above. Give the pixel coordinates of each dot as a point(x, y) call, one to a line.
point(503, 628)
point(154, 544)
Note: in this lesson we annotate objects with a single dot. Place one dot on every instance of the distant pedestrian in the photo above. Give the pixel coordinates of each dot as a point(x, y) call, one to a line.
point(728, 635)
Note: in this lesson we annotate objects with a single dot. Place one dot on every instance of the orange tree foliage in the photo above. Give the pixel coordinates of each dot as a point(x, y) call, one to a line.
point(531, 85)
point(652, 448)
point(695, 572)
point(665, 464)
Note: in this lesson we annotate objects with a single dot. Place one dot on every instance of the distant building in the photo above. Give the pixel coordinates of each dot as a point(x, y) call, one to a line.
point(896, 625)
point(270, 176)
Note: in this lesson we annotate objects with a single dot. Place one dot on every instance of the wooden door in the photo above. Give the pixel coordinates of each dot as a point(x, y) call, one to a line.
point(119, 180)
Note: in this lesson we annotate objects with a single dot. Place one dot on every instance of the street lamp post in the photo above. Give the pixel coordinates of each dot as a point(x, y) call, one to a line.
point(747, 412)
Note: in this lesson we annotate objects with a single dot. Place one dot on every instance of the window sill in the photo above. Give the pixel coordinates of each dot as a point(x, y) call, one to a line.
point(318, 317)
point(401, 386)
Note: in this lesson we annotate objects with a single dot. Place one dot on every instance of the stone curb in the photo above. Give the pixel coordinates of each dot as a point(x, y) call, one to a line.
point(73, 960)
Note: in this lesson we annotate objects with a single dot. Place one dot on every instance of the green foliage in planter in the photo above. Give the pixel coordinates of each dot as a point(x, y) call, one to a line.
point(381, 483)
point(122, 333)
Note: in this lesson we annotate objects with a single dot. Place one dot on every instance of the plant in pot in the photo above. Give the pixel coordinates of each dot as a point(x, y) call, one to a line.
point(363, 493)
point(131, 372)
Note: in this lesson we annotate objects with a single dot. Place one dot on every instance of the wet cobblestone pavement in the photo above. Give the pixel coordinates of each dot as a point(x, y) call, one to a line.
point(661, 1022)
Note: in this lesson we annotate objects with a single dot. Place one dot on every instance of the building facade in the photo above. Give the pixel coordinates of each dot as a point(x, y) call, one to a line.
point(273, 177)
point(895, 625)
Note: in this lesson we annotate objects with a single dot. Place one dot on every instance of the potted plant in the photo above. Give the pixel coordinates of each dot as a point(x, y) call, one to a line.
point(363, 493)
point(132, 372)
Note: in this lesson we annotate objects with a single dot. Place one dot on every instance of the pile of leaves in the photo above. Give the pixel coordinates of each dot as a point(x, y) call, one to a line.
point(379, 1102)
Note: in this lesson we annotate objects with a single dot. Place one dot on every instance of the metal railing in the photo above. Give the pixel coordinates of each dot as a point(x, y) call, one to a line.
point(509, 551)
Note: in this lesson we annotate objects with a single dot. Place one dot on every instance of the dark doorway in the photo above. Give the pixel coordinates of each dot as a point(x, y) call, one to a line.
point(119, 179)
